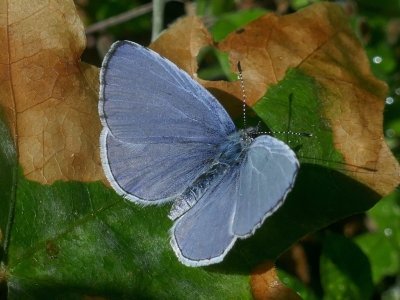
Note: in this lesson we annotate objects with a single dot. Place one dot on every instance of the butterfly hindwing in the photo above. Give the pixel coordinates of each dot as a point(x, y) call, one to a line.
point(203, 236)
point(237, 205)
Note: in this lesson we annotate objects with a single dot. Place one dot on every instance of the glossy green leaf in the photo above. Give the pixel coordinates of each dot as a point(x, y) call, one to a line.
point(345, 269)
point(74, 239)
point(217, 65)
point(293, 105)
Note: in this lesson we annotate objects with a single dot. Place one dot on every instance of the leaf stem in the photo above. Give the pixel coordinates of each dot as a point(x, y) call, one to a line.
point(158, 18)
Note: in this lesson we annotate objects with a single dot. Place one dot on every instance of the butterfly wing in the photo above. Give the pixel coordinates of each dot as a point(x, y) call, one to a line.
point(267, 174)
point(237, 205)
point(203, 236)
point(161, 129)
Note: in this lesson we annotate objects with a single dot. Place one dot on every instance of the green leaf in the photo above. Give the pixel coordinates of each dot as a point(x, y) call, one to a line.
point(228, 23)
point(218, 70)
point(72, 239)
point(386, 214)
point(8, 162)
point(345, 269)
point(383, 246)
point(83, 238)
point(322, 194)
point(292, 105)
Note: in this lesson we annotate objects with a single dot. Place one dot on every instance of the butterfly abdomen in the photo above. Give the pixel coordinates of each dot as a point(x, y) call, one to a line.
point(231, 153)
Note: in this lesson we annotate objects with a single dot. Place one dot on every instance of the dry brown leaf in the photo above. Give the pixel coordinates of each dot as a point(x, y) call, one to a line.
point(193, 36)
point(317, 40)
point(267, 286)
point(49, 97)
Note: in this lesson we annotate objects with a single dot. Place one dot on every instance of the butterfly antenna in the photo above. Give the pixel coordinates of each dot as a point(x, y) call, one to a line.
point(290, 115)
point(306, 134)
point(259, 124)
point(244, 93)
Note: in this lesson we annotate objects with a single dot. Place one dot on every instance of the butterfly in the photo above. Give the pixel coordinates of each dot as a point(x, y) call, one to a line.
point(166, 138)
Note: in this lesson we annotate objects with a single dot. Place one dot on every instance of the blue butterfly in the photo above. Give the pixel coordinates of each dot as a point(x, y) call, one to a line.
point(166, 138)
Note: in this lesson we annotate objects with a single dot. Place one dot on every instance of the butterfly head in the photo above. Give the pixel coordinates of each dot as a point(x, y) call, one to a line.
point(248, 134)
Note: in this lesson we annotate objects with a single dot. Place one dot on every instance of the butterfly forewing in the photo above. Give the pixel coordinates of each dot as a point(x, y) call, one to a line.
point(161, 128)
